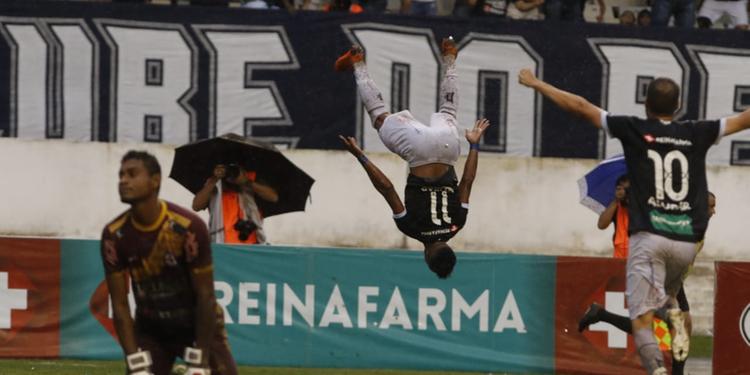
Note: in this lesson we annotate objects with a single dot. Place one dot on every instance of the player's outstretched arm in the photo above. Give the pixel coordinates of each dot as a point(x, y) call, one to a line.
point(118, 290)
point(569, 102)
point(737, 123)
point(379, 180)
point(470, 168)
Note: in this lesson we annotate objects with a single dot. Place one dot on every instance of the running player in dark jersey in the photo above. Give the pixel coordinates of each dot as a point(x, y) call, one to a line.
point(596, 313)
point(436, 204)
point(164, 250)
point(666, 161)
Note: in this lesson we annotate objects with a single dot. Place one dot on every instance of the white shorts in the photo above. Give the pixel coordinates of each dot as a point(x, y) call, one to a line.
point(714, 9)
point(655, 269)
point(419, 144)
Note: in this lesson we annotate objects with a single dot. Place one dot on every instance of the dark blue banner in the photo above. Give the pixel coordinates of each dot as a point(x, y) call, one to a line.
point(120, 72)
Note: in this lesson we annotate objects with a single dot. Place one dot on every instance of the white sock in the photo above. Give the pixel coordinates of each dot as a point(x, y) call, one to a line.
point(371, 96)
point(449, 88)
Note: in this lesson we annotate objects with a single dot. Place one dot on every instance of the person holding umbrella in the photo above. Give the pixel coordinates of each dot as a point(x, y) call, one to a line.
point(666, 161)
point(617, 214)
point(435, 205)
point(224, 174)
point(230, 195)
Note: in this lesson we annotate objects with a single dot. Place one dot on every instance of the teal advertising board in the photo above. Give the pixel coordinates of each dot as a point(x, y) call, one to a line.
point(322, 307)
point(385, 309)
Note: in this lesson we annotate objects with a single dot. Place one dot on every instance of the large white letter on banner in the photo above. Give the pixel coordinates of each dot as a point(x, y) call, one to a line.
point(52, 84)
point(488, 67)
point(154, 73)
point(725, 90)
point(237, 102)
point(403, 63)
point(460, 307)
point(629, 65)
point(80, 85)
point(427, 310)
point(29, 72)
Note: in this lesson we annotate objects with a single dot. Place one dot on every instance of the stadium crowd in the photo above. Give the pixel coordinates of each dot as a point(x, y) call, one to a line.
point(678, 13)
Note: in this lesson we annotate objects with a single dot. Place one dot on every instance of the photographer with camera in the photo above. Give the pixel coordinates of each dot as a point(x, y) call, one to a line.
point(617, 213)
point(230, 196)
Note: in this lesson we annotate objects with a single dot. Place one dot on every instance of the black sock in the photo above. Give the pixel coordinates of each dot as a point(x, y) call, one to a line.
point(619, 321)
point(678, 367)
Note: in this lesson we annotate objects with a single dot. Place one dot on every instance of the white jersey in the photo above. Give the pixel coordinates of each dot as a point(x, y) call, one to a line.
point(735, 10)
point(419, 144)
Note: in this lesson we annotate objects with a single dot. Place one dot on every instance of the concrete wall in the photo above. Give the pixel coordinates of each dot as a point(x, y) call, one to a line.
point(62, 189)
point(519, 205)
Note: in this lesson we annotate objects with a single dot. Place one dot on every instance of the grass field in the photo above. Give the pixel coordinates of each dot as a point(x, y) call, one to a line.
point(700, 347)
point(74, 367)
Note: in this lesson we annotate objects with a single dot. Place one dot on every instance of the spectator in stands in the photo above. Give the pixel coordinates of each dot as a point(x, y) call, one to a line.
point(525, 9)
point(474, 8)
point(617, 213)
point(713, 10)
point(215, 3)
point(564, 10)
point(570, 10)
point(682, 10)
point(644, 18)
point(235, 216)
point(602, 10)
point(419, 7)
point(269, 4)
point(374, 6)
point(627, 18)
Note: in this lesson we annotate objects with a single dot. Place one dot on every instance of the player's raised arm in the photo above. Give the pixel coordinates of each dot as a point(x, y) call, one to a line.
point(379, 180)
point(470, 168)
point(737, 123)
point(569, 102)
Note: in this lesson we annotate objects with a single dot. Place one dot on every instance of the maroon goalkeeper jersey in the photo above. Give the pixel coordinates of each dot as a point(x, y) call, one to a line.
point(159, 260)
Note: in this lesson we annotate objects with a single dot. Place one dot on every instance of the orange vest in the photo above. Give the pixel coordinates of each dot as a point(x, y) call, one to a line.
point(620, 239)
point(230, 207)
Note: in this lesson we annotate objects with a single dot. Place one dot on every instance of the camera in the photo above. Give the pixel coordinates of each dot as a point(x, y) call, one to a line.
point(244, 227)
point(232, 171)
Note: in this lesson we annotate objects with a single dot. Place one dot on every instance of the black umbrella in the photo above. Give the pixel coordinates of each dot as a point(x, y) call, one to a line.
point(194, 163)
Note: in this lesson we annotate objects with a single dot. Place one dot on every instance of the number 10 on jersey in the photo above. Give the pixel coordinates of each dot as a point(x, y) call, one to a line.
point(664, 176)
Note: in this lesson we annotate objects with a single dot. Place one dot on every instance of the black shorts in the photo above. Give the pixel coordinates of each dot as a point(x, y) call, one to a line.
point(682, 300)
point(164, 349)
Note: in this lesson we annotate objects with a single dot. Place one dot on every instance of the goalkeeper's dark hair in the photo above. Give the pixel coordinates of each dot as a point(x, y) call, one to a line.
point(149, 161)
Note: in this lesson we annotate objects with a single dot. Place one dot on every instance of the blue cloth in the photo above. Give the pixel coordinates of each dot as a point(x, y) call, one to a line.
point(564, 10)
point(683, 11)
point(423, 8)
point(597, 188)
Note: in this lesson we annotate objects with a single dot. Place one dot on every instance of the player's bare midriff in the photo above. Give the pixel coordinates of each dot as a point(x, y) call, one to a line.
point(433, 170)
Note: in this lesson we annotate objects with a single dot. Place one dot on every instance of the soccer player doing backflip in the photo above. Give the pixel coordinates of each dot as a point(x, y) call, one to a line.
point(435, 205)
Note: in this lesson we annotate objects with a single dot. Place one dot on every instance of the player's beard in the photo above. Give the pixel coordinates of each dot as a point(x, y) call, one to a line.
point(134, 199)
point(130, 200)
